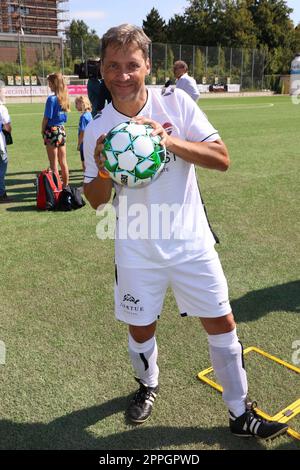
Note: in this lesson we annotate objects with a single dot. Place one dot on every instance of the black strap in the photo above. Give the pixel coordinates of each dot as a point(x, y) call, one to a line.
point(217, 240)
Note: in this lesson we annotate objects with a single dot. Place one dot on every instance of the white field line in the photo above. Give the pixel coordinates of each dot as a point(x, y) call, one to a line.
point(236, 107)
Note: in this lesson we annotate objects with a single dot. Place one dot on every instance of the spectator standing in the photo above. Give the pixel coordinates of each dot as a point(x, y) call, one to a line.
point(4, 124)
point(98, 94)
point(53, 130)
point(83, 105)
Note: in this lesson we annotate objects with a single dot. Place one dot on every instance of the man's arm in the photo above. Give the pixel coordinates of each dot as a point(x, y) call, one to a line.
point(7, 127)
point(98, 191)
point(213, 155)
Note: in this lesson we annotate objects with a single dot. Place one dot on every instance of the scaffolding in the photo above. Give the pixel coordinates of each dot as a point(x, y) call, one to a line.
point(34, 17)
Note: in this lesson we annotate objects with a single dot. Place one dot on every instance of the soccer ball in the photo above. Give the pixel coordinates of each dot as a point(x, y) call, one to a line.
point(133, 156)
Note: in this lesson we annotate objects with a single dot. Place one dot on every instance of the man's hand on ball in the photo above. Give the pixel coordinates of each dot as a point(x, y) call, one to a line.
point(98, 156)
point(157, 129)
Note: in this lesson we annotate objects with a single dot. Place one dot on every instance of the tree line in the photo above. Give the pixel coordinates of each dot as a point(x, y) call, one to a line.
point(264, 25)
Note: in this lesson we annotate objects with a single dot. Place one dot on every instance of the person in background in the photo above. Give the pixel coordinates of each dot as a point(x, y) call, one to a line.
point(83, 105)
point(184, 81)
point(98, 94)
point(4, 124)
point(53, 130)
point(168, 87)
point(184, 257)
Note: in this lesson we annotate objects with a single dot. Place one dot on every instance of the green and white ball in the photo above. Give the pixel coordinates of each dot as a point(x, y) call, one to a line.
point(133, 156)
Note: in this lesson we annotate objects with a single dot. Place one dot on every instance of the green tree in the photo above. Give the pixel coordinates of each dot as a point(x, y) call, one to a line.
point(264, 25)
point(236, 27)
point(177, 30)
point(170, 62)
point(199, 65)
point(84, 44)
point(272, 21)
point(202, 18)
point(155, 27)
point(275, 31)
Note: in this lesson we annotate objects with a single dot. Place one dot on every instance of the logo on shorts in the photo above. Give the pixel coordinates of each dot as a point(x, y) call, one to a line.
point(130, 298)
point(131, 308)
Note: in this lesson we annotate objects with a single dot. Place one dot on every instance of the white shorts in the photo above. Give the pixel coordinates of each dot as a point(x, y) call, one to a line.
point(199, 287)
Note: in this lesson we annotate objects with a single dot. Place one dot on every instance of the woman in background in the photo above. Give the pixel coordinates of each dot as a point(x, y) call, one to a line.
point(53, 130)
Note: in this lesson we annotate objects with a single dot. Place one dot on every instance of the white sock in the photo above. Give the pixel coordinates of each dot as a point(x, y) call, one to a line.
point(227, 361)
point(144, 360)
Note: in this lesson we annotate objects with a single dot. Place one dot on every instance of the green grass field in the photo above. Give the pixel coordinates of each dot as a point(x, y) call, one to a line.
point(67, 377)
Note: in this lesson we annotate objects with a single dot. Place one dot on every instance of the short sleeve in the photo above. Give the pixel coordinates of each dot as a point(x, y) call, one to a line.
point(4, 115)
point(197, 127)
point(49, 108)
point(189, 85)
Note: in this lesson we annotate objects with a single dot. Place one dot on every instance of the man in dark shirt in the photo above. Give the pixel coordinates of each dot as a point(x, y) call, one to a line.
point(98, 94)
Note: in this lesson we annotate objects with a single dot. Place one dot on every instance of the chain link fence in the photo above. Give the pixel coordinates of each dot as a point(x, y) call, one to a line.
point(25, 56)
point(210, 65)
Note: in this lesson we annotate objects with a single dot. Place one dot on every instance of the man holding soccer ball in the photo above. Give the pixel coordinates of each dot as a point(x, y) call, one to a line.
point(184, 257)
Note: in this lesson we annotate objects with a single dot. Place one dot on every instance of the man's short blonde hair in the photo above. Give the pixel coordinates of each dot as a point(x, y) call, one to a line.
point(123, 35)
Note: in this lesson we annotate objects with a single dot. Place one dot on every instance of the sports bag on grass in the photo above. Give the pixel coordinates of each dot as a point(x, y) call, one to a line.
point(70, 198)
point(49, 188)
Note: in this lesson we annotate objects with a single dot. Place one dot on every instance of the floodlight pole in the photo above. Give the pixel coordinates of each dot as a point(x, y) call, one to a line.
point(20, 56)
point(43, 65)
point(62, 55)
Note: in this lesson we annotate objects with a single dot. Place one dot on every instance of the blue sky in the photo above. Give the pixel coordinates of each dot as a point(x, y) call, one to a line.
point(101, 15)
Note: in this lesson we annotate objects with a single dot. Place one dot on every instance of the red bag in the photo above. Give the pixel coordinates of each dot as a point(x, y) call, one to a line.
point(49, 187)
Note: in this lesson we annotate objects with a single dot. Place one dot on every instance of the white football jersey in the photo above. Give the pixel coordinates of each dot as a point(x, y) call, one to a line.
point(4, 119)
point(163, 223)
point(189, 85)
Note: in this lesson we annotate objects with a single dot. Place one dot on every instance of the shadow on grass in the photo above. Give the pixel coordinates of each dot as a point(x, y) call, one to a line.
point(18, 182)
point(31, 208)
point(21, 196)
point(21, 173)
point(71, 432)
point(25, 194)
point(255, 304)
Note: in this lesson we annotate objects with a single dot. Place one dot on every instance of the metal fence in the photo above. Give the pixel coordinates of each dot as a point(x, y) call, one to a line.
point(210, 65)
point(32, 55)
point(22, 55)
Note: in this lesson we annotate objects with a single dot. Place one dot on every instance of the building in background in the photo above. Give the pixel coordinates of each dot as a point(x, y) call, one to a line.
point(33, 17)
